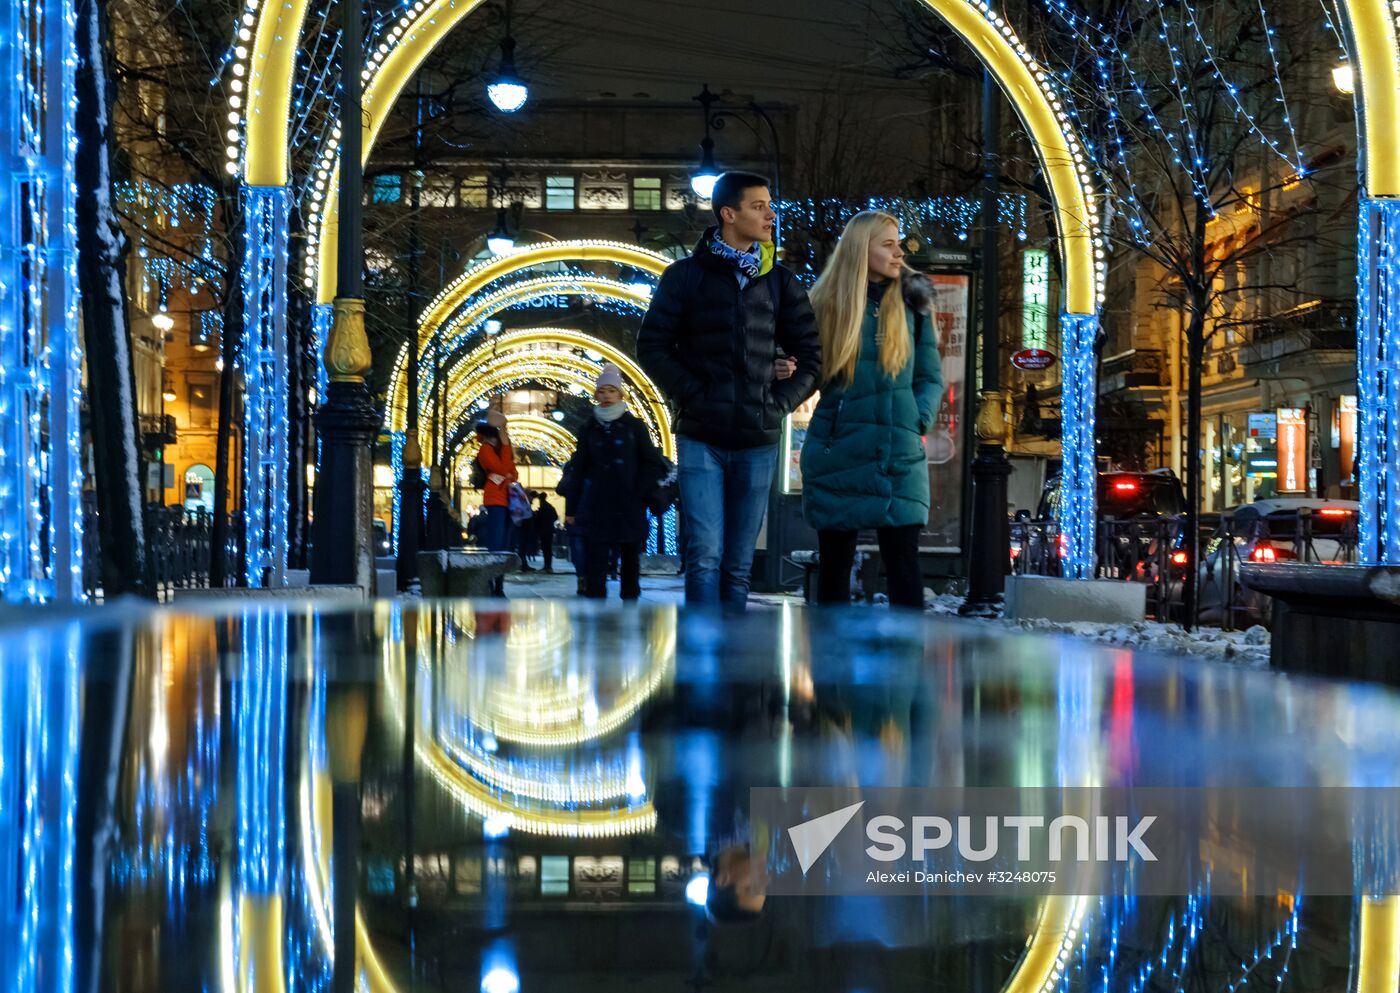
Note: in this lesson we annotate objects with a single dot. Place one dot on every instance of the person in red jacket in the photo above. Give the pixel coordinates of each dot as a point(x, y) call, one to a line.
point(497, 460)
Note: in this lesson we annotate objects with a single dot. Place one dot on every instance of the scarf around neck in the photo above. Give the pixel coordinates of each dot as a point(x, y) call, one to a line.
point(606, 415)
point(749, 263)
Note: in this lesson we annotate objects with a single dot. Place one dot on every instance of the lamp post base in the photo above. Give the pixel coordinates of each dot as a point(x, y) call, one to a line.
point(342, 534)
point(991, 534)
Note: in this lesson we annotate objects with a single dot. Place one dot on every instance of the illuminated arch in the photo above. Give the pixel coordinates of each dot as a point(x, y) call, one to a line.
point(419, 31)
point(479, 277)
point(527, 431)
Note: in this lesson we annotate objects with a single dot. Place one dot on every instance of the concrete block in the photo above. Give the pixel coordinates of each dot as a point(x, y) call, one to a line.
point(298, 578)
point(660, 565)
point(386, 582)
point(1100, 601)
point(464, 573)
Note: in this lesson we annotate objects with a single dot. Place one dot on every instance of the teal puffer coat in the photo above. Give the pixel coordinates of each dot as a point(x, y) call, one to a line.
point(863, 460)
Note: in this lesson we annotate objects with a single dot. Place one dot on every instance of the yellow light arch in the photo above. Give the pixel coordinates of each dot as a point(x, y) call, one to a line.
point(526, 431)
point(478, 277)
point(1374, 33)
point(420, 30)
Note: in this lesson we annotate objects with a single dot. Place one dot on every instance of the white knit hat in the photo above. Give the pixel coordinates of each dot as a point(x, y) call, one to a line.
point(610, 376)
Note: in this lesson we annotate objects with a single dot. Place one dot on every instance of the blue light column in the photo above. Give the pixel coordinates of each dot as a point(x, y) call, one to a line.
point(1378, 381)
point(40, 351)
point(1078, 476)
point(264, 361)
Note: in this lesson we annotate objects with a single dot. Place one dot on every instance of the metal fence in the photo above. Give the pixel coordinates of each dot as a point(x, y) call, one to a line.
point(178, 547)
point(1153, 551)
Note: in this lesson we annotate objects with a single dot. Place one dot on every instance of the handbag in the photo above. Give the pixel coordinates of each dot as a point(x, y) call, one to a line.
point(519, 503)
point(478, 480)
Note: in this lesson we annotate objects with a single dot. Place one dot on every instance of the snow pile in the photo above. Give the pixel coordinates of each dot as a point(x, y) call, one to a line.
point(1250, 648)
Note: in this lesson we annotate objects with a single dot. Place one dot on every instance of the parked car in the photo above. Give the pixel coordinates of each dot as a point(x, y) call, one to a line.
point(1283, 529)
point(1130, 508)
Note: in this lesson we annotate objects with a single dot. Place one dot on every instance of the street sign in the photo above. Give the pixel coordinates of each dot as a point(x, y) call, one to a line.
point(1033, 359)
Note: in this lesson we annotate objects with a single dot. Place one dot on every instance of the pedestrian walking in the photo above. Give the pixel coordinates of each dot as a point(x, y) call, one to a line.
point(545, 519)
point(496, 461)
point(731, 337)
point(863, 462)
point(606, 486)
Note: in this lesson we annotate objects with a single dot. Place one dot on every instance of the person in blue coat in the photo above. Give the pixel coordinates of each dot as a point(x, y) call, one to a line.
point(863, 461)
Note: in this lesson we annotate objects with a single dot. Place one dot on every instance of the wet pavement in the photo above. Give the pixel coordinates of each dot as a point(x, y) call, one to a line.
point(534, 795)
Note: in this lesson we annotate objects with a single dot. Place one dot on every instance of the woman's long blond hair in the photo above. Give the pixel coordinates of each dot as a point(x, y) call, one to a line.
point(839, 299)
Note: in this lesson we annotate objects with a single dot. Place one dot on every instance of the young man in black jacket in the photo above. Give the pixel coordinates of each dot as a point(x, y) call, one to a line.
point(731, 338)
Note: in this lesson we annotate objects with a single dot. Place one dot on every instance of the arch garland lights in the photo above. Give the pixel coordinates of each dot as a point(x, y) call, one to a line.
point(550, 352)
point(421, 28)
point(527, 431)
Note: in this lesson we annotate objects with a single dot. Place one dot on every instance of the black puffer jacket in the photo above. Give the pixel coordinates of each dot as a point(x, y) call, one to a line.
point(605, 485)
point(711, 346)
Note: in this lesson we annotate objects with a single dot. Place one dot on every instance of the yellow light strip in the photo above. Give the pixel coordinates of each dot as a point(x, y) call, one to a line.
point(1378, 945)
point(1050, 946)
point(477, 278)
point(270, 92)
point(1061, 155)
point(1376, 54)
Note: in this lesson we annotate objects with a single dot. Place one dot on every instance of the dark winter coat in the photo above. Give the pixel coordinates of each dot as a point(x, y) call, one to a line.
point(544, 520)
point(606, 484)
point(863, 460)
point(711, 347)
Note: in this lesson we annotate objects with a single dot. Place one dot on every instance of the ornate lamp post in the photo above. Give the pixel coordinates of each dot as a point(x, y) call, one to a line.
point(991, 534)
point(346, 424)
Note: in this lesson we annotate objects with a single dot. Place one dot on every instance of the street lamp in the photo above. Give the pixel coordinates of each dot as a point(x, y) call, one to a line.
point(507, 90)
point(500, 241)
point(1344, 78)
point(704, 179)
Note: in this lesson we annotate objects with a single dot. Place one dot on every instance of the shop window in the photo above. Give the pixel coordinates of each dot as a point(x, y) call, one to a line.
point(475, 192)
point(387, 188)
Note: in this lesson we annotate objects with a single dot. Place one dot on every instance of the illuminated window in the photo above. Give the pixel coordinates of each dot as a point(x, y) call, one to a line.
point(475, 192)
point(559, 193)
point(554, 875)
point(387, 188)
point(641, 876)
point(439, 191)
point(646, 193)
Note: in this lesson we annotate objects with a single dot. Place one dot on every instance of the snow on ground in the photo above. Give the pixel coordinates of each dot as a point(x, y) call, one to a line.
point(1249, 647)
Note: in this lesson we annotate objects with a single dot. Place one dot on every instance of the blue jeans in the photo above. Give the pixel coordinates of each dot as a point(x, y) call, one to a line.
point(499, 532)
point(724, 495)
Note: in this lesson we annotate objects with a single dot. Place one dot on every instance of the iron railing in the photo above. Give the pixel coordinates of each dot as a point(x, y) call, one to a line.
point(178, 547)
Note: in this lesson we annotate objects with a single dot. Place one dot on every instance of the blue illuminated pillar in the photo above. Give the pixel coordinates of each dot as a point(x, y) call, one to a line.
point(1078, 476)
point(40, 351)
point(264, 361)
point(1378, 381)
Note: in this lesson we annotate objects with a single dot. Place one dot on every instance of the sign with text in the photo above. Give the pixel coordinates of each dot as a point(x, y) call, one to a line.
point(1033, 359)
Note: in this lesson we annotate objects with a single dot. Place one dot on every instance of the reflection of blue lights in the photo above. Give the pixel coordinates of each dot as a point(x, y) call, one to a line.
point(500, 980)
point(496, 826)
point(697, 890)
point(262, 711)
point(636, 782)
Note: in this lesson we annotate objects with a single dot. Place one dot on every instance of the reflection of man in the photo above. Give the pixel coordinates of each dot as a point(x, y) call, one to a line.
point(738, 886)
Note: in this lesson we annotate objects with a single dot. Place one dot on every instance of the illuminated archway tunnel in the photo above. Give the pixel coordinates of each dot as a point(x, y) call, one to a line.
point(1061, 155)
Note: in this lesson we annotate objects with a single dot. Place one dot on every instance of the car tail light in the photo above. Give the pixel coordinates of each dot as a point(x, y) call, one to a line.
point(1015, 551)
point(1125, 486)
point(1334, 512)
point(1179, 558)
point(1263, 553)
point(1064, 546)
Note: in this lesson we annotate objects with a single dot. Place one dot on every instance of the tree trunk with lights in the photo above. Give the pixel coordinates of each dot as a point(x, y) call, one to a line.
point(102, 252)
